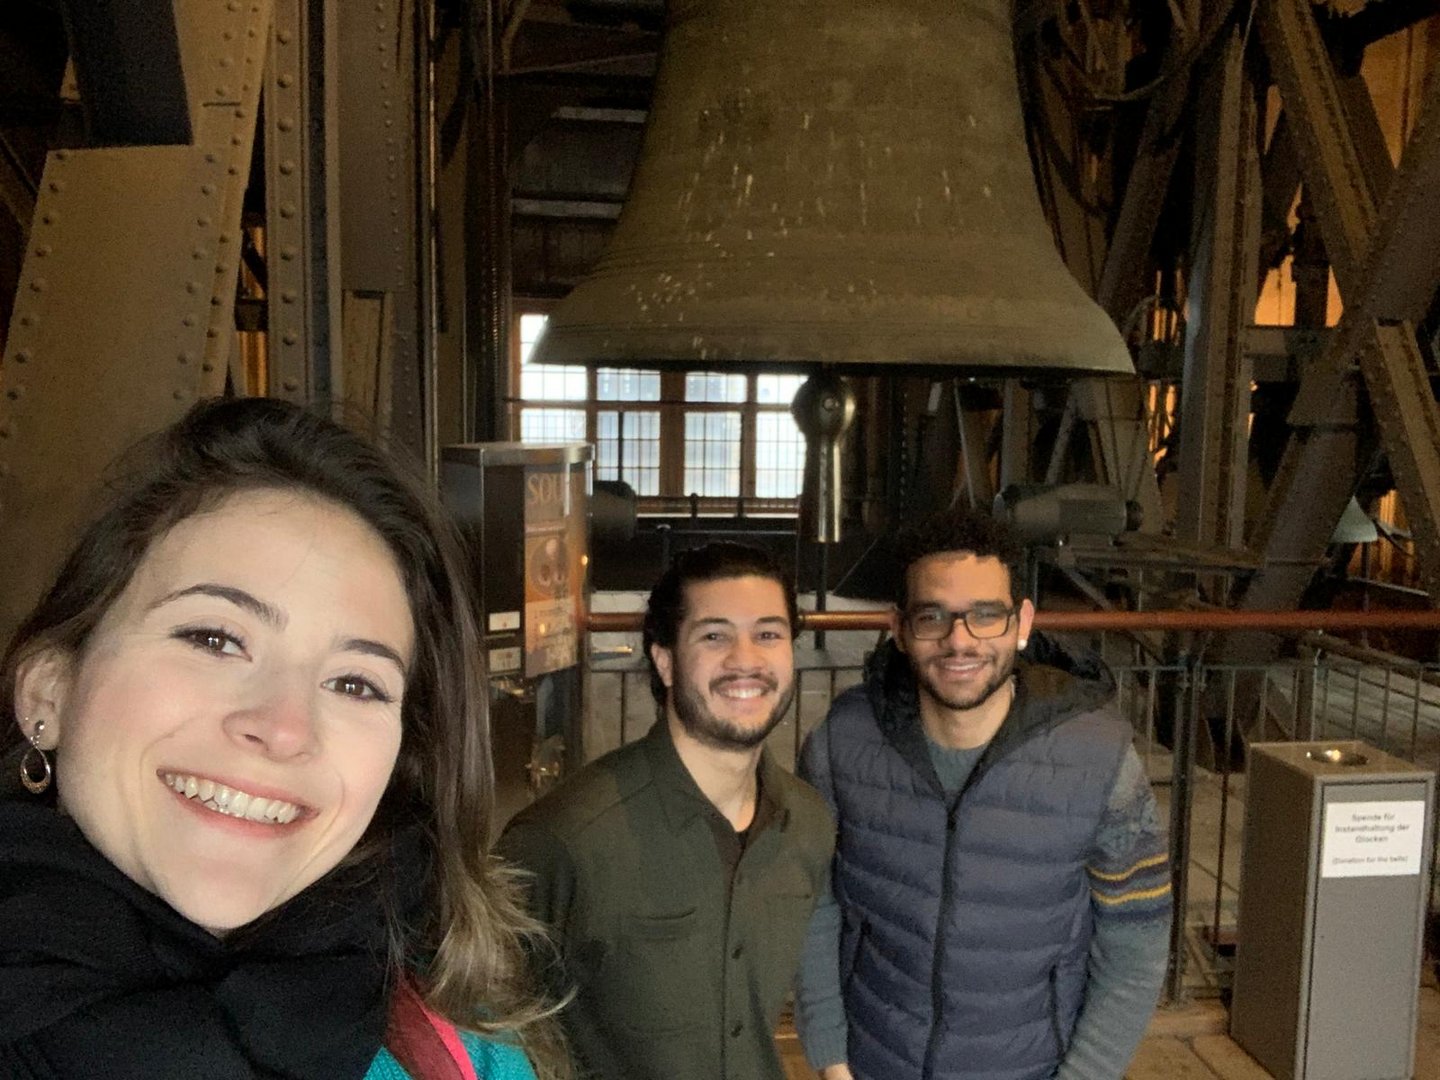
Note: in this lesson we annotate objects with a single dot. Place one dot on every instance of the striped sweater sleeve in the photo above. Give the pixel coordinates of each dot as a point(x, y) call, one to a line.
point(1129, 873)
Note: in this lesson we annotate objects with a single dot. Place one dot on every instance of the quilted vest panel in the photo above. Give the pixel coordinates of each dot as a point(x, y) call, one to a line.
point(966, 931)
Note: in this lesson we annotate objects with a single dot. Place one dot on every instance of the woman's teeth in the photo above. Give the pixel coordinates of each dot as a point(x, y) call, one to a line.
point(224, 800)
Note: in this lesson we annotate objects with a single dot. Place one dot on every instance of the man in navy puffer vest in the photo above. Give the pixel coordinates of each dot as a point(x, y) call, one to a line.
point(1001, 905)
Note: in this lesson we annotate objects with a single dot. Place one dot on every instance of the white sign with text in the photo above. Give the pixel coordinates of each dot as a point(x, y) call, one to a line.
point(1372, 839)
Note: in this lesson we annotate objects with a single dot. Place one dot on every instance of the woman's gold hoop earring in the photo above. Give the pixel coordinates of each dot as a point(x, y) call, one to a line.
point(36, 778)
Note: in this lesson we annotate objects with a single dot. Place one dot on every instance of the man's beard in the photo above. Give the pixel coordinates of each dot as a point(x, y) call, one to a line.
point(701, 724)
point(1004, 667)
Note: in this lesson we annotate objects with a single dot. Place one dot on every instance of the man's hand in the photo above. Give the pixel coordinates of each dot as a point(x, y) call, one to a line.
point(836, 1072)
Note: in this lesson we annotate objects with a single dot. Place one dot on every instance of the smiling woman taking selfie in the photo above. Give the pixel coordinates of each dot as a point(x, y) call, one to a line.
point(247, 796)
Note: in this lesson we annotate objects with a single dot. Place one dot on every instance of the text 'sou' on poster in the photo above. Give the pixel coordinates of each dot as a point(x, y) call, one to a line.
point(554, 568)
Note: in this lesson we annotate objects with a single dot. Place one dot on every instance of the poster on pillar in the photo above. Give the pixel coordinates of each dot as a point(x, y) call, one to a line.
point(554, 568)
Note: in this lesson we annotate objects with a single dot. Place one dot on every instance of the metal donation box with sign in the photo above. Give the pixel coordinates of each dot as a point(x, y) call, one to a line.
point(525, 511)
point(1333, 888)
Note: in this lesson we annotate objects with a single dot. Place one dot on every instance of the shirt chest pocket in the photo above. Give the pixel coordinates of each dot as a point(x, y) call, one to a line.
point(771, 923)
point(649, 979)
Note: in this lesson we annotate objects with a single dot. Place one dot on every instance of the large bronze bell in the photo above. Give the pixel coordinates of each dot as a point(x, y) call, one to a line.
point(835, 182)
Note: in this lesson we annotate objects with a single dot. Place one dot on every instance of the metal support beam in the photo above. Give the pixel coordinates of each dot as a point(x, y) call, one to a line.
point(487, 235)
point(1401, 393)
point(1280, 179)
point(455, 109)
point(1017, 434)
point(1405, 253)
point(1380, 273)
point(302, 199)
point(127, 63)
point(1309, 269)
point(1117, 409)
point(17, 190)
point(125, 309)
point(974, 428)
point(1124, 282)
point(1215, 395)
point(1330, 164)
point(379, 184)
point(1387, 270)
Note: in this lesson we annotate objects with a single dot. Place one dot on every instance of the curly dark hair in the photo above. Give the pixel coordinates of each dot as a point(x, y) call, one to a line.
point(959, 529)
point(717, 561)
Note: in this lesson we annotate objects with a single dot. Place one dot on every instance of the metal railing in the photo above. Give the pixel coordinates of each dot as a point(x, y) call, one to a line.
point(1191, 716)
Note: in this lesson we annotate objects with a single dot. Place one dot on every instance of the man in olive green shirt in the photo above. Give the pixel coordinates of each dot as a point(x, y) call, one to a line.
point(678, 873)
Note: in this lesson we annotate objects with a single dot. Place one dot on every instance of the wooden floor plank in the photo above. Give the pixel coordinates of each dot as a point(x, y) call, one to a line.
point(1427, 1036)
point(1190, 1044)
point(1167, 1059)
point(1206, 1017)
point(1226, 1060)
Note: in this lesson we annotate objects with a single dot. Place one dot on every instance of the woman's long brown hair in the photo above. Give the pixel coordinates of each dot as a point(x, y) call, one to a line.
point(467, 951)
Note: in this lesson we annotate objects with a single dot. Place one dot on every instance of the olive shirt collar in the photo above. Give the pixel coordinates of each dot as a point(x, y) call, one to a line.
point(682, 800)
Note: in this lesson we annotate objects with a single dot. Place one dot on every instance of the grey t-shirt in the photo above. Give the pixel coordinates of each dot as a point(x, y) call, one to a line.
point(953, 766)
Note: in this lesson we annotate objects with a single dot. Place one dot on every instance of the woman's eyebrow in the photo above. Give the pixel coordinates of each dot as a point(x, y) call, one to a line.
point(239, 597)
point(373, 648)
point(273, 616)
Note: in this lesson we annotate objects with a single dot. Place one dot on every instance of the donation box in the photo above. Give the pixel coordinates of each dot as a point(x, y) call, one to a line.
point(525, 512)
point(1333, 888)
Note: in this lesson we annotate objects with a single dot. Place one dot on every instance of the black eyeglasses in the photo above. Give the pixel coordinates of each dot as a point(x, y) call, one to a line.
point(930, 622)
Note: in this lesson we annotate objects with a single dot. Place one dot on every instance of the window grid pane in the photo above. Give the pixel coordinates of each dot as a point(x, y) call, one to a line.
point(552, 425)
point(607, 446)
point(779, 456)
point(620, 384)
point(714, 386)
point(546, 382)
point(777, 389)
point(642, 452)
point(712, 454)
point(530, 327)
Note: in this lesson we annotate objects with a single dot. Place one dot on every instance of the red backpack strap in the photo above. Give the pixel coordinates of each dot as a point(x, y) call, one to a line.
point(426, 1045)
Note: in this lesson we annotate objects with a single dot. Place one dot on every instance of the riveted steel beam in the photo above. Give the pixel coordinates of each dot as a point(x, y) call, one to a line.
point(488, 232)
point(125, 308)
point(1017, 434)
point(1387, 269)
point(1329, 161)
point(1401, 395)
point(455, 109)
point(379, 190)
point(1405, 254)
point(1116, 410)
point(1280, 180)
point(1124, 279)
point(302, 211)
point(1215, 395)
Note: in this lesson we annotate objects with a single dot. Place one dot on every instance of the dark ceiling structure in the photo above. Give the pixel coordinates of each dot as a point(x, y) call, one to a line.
point(324, 200)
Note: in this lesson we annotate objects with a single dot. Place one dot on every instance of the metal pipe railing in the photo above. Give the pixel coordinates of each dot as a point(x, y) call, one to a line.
point(1180, 620)
point(1191, 690)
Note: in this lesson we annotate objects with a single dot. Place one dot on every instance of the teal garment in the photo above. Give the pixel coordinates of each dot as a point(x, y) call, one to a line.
point(492, 1061)
point(953, 767)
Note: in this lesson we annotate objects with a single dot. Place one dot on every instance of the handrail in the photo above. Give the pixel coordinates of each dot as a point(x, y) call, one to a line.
point(604, 622)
